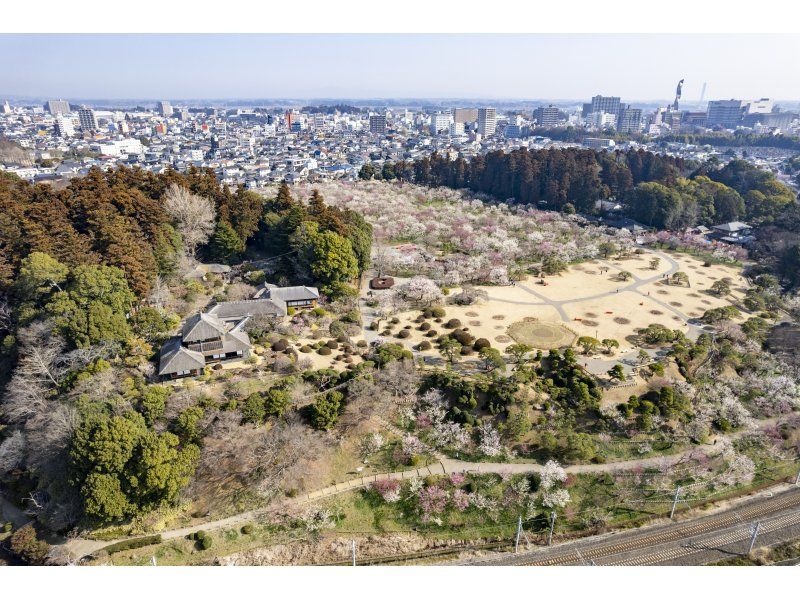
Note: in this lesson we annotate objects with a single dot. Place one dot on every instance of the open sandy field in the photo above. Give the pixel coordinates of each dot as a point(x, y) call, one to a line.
point(590, 300)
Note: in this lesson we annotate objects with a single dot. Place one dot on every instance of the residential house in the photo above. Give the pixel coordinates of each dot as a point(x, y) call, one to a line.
point(218, 334)
point(738, 233)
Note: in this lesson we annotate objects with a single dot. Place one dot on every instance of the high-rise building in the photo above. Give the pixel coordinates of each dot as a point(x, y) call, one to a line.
point(724, 113)
point(377, 124)
point(63, 126)
point(602, 120)
point(629, 120)
point(487, 121)
point(87, 120)
point(610, 104)
point(465, 115)
point(547, 116)
point(6, 108)
point(165, 109)
point(58, 107)
point(440, 123)
point(456, 128)
point(762, 106)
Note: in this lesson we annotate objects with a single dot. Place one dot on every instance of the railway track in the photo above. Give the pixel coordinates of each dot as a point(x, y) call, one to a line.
point(567, 555)
point(424, 554)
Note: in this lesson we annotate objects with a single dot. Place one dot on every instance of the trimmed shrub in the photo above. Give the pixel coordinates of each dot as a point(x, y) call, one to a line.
point(324, 350)
point(133, 543)
point(424, 346)
point(404, 333)
point(431, 333)
point(332, 344)
point(425, 326)
point(453, 323)
point(280, 345)
point(305, 349)
point(481, 343)
point(465, 338)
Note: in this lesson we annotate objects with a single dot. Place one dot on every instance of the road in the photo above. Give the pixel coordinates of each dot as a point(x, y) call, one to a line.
point(691, 542)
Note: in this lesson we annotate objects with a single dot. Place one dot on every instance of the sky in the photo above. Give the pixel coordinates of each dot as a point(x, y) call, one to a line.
point(637, 67)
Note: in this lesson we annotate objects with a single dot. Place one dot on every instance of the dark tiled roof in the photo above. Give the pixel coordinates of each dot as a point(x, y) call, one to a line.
point(177, 358)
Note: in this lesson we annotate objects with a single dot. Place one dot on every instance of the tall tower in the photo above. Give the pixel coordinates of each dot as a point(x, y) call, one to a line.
point(677, 95)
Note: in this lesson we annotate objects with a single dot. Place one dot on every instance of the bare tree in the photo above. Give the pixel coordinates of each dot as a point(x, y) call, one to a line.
point(193, 214)
point(237, 458)
point(12, 452)
point(160, 294)
point(365, 398)
point(398, 378)
point(5, 314)
point(40, 369)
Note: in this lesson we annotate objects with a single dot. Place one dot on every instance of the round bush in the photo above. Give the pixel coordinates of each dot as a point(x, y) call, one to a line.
point(431, 333)
point(424, 346)
point(332, 344)
point(305, 349)
point(465, 338)
point(481, 343)
point(466, 350)
point(404, 333)
point(248, 529)
point(341, 338)
point(395, 320)
point(425, 326)
point(324, 351)
point(362, 343)
point(438, 312)
point(453, 323)
point(280, 345)
point(408, 327)
point(427, 312)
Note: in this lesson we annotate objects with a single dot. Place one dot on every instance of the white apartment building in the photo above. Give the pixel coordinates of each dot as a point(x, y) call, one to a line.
point(63, 126)
point(487, 122)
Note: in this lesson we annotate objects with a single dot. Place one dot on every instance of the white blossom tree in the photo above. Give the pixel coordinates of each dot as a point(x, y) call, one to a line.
point(193, 215)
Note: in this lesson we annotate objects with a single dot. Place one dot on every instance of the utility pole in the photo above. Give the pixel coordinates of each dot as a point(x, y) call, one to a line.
point(756, 527)
point(552, 525)
point(675, 502)
point(519, 533)
point(353, 548)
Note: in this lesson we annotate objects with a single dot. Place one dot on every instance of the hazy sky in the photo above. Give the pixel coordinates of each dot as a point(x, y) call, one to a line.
point(636, 67)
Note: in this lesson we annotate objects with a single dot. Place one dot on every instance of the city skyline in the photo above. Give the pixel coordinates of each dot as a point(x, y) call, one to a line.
point(401, 66)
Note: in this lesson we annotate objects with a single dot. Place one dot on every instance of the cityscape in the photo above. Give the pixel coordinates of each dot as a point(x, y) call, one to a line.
point(258, 146)
point(375, 330)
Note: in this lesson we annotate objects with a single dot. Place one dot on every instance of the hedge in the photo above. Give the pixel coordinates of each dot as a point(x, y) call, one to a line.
point(133, 543)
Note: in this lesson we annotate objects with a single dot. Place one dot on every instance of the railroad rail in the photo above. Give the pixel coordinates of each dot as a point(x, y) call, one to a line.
point(566, 555)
